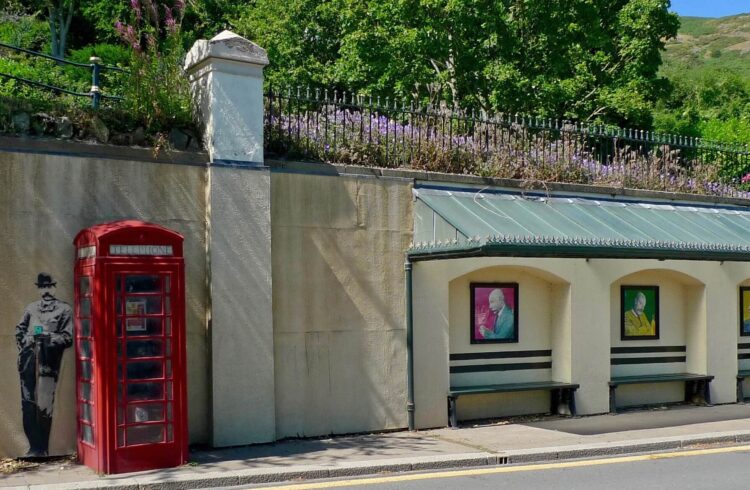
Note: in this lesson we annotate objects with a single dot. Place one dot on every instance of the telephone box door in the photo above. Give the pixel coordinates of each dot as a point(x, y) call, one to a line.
point(150, 361)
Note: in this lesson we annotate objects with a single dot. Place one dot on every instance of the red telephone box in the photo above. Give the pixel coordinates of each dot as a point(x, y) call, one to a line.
point(130, 347)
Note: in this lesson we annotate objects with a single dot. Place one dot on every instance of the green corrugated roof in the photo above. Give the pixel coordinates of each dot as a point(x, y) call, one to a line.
point(474, 223)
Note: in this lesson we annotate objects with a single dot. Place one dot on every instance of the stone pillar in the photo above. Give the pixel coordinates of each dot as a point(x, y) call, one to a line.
point(226, 76)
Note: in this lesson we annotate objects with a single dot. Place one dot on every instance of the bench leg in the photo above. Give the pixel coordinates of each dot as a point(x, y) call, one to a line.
point(690, 390)
point(562, 402)
point(740, 390)
point(707, 392)
point(452, 417)
point(698, 392)
point(554, 401)
point(612, 400)
point(572, 402)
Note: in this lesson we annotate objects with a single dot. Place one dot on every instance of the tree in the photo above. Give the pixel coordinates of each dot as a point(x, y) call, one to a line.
point(584, 59)
point(59, 15)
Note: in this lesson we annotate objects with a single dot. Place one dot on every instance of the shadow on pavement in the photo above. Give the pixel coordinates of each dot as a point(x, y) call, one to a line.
point(644, 418)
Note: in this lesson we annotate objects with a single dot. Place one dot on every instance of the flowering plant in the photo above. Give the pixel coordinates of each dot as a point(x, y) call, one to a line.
point(351, 133)
point(158, 92)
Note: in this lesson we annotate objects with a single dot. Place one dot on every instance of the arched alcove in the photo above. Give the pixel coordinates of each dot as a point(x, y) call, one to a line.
point(681, 345)
point(743, 337)
point(541, 353)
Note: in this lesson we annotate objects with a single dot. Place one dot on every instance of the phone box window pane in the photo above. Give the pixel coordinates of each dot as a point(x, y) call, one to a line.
point(169, 390)
point(167, 280)
point(142, 284)
point(146, 391)
point(170, 433)
point(84, 284)
point(85, 327)
point(121, 437)
point(85, 391)
point(84, 348)
point(145, 370)
point(169, 411)
point(167, 305)
point(85, 307)
point(86, 413)
point(168, 320)
point(151, 412)
point(143, 326)
point(85, 370)
point(145, 434)
point(169, 368)
point(120, 415)
point(153, 326)
point(144, 348)
point(87, 434)
point(140, 305)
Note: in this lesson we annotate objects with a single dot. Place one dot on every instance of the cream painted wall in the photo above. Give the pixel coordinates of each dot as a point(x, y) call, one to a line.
point(338, 302)
point(700, 299)
point(46, 200)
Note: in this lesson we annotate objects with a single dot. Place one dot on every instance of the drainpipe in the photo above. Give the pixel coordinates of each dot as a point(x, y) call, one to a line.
point(409, 345)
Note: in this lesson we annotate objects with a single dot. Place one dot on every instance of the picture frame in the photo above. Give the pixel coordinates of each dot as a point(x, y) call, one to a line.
point(639, 312)
point(745, 311)
point(493, 312)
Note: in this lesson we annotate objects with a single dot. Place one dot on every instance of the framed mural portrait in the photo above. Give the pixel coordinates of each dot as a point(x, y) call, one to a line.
point(745, 311)
point(494, 312)
point(639, 312)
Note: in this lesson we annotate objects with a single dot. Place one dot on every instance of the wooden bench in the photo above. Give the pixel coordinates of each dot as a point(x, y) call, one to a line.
point(741, 375)
point(694, 384)
point(560, 393)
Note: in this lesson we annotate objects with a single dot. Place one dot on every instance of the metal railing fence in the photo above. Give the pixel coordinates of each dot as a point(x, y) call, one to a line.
point(351, 129)
point(96, 67)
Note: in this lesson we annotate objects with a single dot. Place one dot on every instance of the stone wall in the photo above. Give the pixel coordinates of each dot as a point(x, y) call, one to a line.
point(50, 192)
point(335, 358)
point(339, 244)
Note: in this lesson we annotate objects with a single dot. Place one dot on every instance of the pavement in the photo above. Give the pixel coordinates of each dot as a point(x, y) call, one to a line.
point(505, 441)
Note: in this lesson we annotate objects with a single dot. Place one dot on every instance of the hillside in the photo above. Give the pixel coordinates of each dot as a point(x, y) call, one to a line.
point(704, 44)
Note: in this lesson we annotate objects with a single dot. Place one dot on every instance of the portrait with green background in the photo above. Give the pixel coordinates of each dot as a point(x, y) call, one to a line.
point(639, 321)
point(629, 300)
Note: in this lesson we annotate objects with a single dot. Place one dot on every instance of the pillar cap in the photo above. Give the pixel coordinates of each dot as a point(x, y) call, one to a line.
point(226, 46)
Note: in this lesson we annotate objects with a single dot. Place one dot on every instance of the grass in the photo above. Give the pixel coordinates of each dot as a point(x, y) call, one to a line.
point(697, 26)
point(704, 47)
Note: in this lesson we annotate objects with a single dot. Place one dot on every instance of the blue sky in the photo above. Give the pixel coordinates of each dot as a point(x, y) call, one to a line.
point(710, 8)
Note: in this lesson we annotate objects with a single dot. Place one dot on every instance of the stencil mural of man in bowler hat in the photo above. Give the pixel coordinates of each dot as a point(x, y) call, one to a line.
point(42, 335)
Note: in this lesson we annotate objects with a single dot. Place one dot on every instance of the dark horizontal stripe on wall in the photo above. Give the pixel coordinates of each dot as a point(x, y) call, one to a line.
point(500, 355)
point(743, 346)
point(743, 356)
point(644, 350)
point(646, 360)
point(481, 368)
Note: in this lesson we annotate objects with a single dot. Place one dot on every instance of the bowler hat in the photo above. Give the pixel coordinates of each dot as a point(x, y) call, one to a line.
point(44, 280)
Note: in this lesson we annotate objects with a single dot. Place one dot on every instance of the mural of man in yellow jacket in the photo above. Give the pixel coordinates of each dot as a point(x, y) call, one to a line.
point(636, 321)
